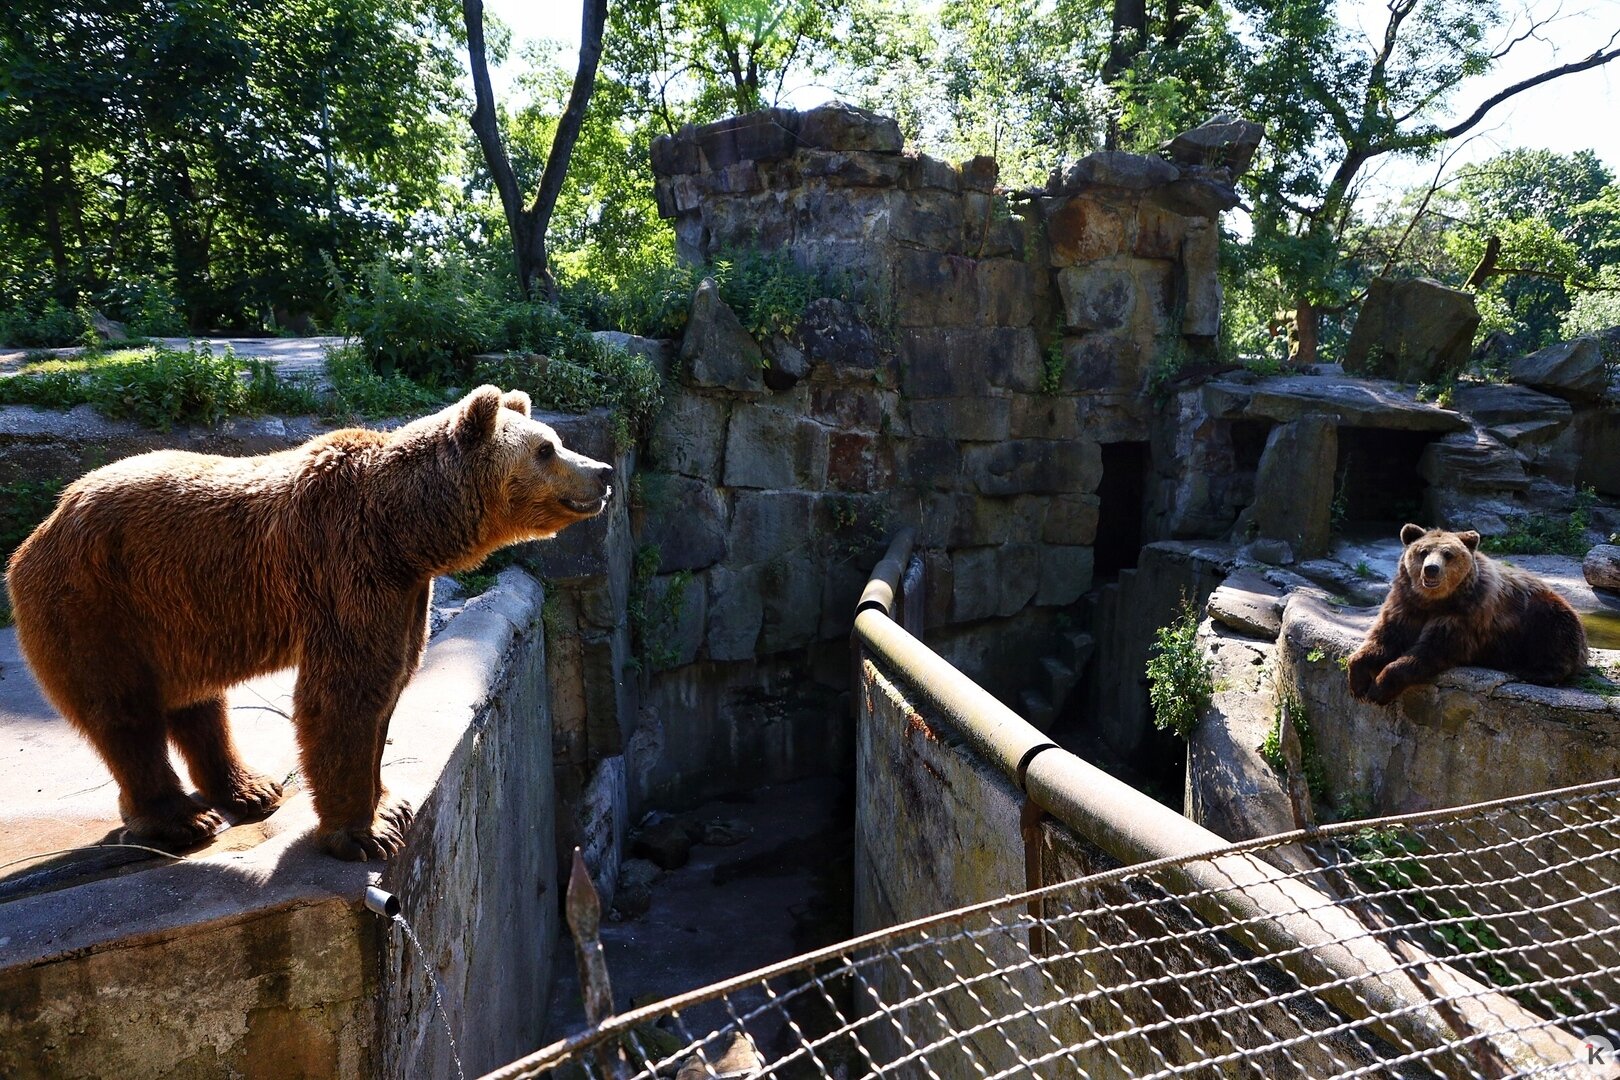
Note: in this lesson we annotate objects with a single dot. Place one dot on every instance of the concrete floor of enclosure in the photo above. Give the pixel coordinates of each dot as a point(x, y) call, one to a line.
point(55, 792)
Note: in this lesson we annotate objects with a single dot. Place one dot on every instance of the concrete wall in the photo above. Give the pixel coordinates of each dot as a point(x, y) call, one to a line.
point(260, 962)
point(938, 828)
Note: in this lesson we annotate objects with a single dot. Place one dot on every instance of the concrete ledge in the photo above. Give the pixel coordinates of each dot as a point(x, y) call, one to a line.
point(261, 961)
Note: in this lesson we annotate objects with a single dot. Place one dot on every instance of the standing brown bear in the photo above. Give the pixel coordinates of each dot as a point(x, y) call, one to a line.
point(1452, 606)
point(162, 580)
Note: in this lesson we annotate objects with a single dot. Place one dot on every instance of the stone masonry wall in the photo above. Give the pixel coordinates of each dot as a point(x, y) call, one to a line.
point(995, 342)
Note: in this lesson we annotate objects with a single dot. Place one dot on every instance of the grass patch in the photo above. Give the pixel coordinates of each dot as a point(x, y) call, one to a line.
point(158, 387)
point(1548, 534)
point(1180, 676)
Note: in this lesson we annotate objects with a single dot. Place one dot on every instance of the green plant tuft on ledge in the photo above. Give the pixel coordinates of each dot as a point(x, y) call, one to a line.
point(1180, 679)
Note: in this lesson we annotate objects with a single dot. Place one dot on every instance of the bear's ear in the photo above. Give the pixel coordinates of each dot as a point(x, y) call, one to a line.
point(1411, 533)
point(516, 400)
point(475, 418)
point(1470, 539)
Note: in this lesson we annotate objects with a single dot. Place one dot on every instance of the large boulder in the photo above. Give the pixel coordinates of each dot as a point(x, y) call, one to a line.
point(1220, 142)
point(1570, 369)
point(716, 349)
point(1602, 567)
point(1412, 330)
point(1293, 487)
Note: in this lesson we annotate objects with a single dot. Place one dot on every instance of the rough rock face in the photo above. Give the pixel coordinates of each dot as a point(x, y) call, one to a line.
point(1602, 567)
point(1221, 142)
point(1571, 369)
point(1473, 735)
point(719, 350)
point(1412, 330)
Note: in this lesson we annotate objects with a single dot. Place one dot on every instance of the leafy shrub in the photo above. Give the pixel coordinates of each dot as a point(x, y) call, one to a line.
point(769, 291)
point(358, 390)
point(171, 387)
point(653, 301)
point(23, 505)
point(1548, 534)
point(48, 326)
point(1180, 681)
point(425, 321)
point(1291, 708)
point(146, 305)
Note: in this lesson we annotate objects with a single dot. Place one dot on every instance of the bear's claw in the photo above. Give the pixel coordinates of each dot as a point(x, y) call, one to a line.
point(382, 840)
point(173, 826)
point(253, 797)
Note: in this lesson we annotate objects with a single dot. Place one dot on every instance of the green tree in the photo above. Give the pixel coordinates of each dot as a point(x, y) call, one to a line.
point(1333, 101)
point(1535, 227)
point(220, 149)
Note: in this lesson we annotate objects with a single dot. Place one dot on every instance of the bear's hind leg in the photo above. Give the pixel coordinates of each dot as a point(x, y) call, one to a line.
point(344, 699)
point(202, 734)
point(155, 808)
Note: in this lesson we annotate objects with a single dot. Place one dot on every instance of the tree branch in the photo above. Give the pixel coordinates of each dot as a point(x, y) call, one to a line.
point(485, 124)
point(1597, 59)
point(592, 22)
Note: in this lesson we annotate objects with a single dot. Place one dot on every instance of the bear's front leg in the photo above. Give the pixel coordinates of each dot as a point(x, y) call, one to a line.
point(1364, 666)
point(1428, 657)
point(347, 688)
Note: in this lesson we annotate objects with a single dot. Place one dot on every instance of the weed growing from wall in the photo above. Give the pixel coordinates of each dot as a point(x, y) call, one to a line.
point(1291, 708)
point(654, 612)
point(1180, 679)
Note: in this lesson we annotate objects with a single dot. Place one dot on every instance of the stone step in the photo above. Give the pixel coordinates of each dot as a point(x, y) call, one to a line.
point(1076, 649)
point(1057, 679)
point(1034, 707)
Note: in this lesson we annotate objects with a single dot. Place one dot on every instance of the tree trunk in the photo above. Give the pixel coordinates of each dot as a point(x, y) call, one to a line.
point(529, 225)
point(1125, 43)
point(1302, 343)
point(51, 188)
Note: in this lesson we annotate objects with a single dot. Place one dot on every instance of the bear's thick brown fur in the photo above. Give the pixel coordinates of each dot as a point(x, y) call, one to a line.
point(162, 580)
point(1453, 606)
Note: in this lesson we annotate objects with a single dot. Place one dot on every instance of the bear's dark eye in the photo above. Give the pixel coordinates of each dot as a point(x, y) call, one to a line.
point(545, 452)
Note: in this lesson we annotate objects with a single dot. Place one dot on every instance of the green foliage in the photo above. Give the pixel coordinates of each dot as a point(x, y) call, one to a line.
point(654, 610)
point(584, 374)
point(23, 505)
point(358, 390)
point(1291, 709)
point(1052, 368)
point(425, 321)
point(768, 291)
point(46, 327)
point(856, 527)
point(1595, 310)
point(158, 387)
point(477, 581)
point(1548, 534)
point(651, 300)
point(1391, 862)
point(1180, 680)
point(217, 148)
point(1363, 570)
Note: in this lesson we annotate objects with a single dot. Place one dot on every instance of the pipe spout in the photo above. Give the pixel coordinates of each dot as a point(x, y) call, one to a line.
point(381, 901)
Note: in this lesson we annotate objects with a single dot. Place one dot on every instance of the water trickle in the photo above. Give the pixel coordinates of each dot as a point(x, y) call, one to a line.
point(438, 998)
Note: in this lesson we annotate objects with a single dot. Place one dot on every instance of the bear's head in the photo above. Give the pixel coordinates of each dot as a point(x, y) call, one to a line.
point(1436, 562)
point(533, 485)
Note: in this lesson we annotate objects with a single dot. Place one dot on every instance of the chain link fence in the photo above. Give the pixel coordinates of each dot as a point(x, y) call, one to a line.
point(1477, 942)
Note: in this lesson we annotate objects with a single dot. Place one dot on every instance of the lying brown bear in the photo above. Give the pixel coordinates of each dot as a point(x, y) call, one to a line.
point(162, 580)
point(1453, 606)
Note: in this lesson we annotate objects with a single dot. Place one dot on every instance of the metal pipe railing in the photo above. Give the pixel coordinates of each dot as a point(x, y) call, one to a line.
point(1319, 943)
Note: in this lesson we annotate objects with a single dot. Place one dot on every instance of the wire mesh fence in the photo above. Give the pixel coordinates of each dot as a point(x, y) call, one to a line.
point(1482, 941)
